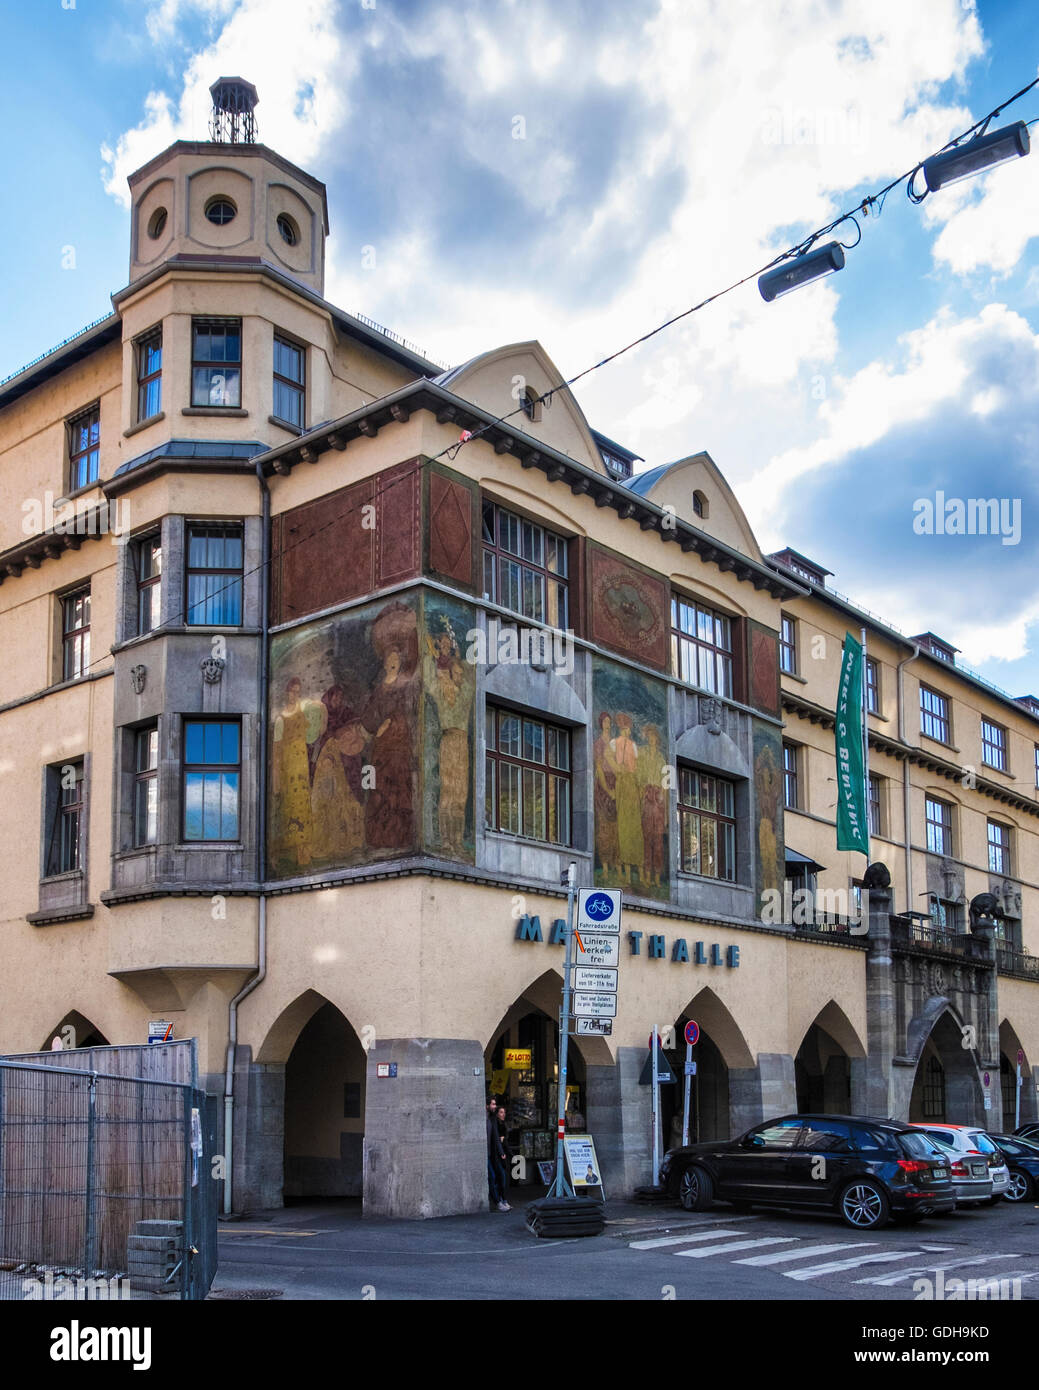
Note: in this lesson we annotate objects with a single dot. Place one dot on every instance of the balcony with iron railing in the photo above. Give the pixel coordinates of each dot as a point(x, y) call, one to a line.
point(1011, 961)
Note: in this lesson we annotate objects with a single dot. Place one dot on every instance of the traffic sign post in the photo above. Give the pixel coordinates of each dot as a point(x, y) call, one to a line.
point(1017, 1095)
point(692, 1034)
point(560, 1186)
point(656, 1108)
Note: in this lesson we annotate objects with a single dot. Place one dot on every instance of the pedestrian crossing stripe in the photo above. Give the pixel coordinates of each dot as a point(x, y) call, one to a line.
point(712, 1233)
point(889, 1280)
point(837, 1266)
point(805, 1253)
point(736, 1245)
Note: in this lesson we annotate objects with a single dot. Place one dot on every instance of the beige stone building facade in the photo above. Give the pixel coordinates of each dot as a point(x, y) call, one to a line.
point(322, 662)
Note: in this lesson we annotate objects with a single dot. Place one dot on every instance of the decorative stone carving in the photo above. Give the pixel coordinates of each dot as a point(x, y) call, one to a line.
point(936, 978)
point(711, 714)
point(1011, 896)
point(138, 675)
point(212, 669)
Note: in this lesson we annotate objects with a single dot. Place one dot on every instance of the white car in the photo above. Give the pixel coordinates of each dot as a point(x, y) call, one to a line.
point(978, 1168)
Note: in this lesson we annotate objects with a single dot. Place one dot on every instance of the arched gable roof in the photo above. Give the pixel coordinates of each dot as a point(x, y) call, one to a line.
point(490, 379)
point(673, 484)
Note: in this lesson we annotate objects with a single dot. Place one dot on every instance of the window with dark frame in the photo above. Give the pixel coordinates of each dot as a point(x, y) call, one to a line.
point(934, 714)
point(873, 809)
point(146, 787)
point(289, 381)
point(212, 776)
point(701, 646)
point(707, 824)
point(149, 374)
point(75, 634)
point(84, 448)
point(788, 644)
point(214, 575)
point(938, 816)
point(790, 779)
point(525, 566)
point(998, 848)
point(993, 745)
point(934, 1090)
point(528, 787)
point(147, 555)
point(64, 846)
point(1037, 765)
point(216, 363)
point(872, 686)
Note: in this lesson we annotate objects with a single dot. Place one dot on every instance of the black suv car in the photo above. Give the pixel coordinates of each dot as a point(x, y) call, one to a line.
point(867, 1171)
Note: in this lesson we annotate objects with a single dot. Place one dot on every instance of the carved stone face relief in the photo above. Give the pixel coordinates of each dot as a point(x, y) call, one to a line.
point(711, 714)
point(212, 669)
point(138, 674)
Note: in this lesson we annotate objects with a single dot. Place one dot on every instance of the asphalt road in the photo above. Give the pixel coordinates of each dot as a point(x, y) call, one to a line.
point(328, 1251)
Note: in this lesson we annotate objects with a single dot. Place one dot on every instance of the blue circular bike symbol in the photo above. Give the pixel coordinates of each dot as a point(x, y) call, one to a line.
point(599, 906)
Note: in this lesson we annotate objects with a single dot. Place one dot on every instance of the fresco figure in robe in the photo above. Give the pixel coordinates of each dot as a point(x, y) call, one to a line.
point(299, 724)
point(768, 787)
point(606, 846)
point(337, 795)
point(450, 683)
point(630, 842)
point(389, 720)
point(651, 767)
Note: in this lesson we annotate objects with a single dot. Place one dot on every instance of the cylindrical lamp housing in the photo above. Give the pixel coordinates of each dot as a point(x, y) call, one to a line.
point(791, 274)
point(976, 155)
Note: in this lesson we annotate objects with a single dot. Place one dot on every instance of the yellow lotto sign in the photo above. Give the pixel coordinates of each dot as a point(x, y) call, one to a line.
point(517, 1058)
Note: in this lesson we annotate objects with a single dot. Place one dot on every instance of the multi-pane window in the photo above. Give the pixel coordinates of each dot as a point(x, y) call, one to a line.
point(149, 374)
point(938, 815)
point(998, 848)
point(707, 824)
point(701, 646)
point(994, 745)
point(872, 686)
point(525, 566)
point(147, 555)
point(528, 777)
point(1037, 764)
point(84, 448)
point(788, 644)
point(289, 381)
point(64, 842)
point(791, 790)
point(874, 805)
point(214, 575)
point(212, 773)
point(934, 1090)
point(216, 362)
point(75, 634)
point(146, 786)
point(934, 714)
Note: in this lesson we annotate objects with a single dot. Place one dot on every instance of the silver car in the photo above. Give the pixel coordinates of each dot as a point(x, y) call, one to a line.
point(978, 1169)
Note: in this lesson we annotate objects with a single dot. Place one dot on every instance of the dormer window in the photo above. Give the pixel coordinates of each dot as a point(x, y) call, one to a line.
point(701, 506)
point(530, 405)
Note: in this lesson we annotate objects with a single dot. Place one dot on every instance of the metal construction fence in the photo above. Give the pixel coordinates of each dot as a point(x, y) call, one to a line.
point(85, 1157)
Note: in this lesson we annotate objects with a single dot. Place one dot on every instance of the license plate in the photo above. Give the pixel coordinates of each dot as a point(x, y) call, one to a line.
point(978, 1169)
point(939, 1174)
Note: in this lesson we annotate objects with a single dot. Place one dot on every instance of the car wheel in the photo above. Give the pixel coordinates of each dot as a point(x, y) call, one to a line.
point(864, 1206)
point(695, 1189)
point(1020, 1186)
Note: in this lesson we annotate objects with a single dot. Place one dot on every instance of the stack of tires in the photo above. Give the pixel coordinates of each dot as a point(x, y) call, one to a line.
point(565, 1216)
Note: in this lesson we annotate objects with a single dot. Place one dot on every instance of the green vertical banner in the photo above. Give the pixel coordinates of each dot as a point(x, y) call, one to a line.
point(852, 826)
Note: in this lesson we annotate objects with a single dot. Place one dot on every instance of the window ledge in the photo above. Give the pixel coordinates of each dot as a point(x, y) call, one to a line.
point(233, 845)
point(1003, 771)
point(234, 411)
point(143, 424)
point(284, 425)
point(793, 675)
point(940, 742)
point(59, 914)
point(507, 837)
point(75, 492)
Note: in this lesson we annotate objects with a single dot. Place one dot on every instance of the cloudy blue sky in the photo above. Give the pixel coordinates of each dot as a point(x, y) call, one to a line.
point(577, 172)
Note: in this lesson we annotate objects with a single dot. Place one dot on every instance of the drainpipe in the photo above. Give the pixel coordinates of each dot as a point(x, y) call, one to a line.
point(261, 846)
point(906, 800)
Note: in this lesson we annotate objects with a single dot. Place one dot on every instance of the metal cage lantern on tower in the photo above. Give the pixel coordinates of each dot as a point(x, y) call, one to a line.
point(233, 121)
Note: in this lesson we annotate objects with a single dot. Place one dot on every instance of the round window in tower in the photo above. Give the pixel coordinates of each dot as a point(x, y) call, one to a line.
point(288, 229)
point(221, 211)
point(157, 223)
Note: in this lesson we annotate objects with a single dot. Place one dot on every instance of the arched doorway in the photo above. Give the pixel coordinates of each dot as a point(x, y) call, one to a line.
point(75, 1030)
point(720, 1046)
point(946, 1087)
point(324, 1106)
point(822, 1066)
point(1009, 1050)
point(522, 1069)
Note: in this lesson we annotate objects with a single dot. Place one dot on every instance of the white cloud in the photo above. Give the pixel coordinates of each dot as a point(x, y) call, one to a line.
point(993, 221)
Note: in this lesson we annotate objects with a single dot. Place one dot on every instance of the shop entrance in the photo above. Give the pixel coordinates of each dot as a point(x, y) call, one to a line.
point(946, 1086)
point(720, 1046)
point(822, 1067)
point(522, 1068)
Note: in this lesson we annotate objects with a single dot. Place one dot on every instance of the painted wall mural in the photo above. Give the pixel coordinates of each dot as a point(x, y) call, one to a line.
point(344, 730)
point(764, 667)
point(628, 606)
point(449, 694)
point(630, 800)
point(768, 799)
